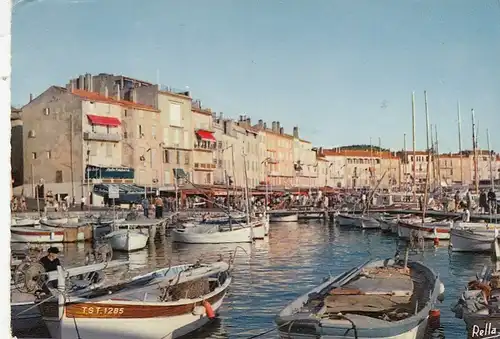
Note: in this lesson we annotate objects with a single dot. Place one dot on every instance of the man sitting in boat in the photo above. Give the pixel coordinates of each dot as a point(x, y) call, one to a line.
point(51, 261)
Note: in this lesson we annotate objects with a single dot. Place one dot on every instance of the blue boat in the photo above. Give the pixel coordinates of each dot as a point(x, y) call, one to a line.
point(378, 299)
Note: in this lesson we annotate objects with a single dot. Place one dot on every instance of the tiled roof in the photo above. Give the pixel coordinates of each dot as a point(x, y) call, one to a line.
point(359, 153)
point(94, 96)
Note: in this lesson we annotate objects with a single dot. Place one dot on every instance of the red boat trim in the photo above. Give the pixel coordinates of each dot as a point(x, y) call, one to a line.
point(424, 229)
point(37, 233)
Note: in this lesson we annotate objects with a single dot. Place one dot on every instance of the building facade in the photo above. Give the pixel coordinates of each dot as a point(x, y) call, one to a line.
point(280, 167)
point(204, 160)
point(17, 149)
point(306, 166)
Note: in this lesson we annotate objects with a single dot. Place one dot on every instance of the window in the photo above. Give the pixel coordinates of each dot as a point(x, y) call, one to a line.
point(153, 155)
point(166, 158)
point(49, 154)
point(219, 144)
point(176, 136)
point(46, 111)
point(165, 136)
point(125, 135)
point(107, 129)
point(208, 178)
point(125, 112)
point(186, 139)
point(33, 155)
point(166, 177)
point(186, 158)
point(153, 131)
point(175, 114)
point(93, 128)
point(109, 150)
point(139, 131)
point(59, 177)
point(178, 158)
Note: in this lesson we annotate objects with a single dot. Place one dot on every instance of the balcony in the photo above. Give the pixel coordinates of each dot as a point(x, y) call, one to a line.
point(205, 146)
point(204, 167)
point(112, 137)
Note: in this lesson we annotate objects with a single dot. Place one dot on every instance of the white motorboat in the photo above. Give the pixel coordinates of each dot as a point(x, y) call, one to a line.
point(168, 303)
point(39, 234)
point(284, 216)
point(218, 234)
point(24, 222)
point(427, 230)
point(127, 240)
point(362, 221)
point(472, 237)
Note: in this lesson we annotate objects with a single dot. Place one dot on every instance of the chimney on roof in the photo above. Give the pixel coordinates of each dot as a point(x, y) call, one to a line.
point(117, 92)
point(31, 97)
point(321, 150)
point(278, 127)
point(88, 82)
point(249, 122)
point(133, 95)
point(261, 123)
point(296, 132)
point(106, 91)
point(264, 125)
point(81, 82)
point(273, 126)
point(282, 130)
point(221, 115)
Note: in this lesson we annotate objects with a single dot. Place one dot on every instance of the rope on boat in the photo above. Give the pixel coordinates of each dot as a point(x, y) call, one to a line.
point(272, 329)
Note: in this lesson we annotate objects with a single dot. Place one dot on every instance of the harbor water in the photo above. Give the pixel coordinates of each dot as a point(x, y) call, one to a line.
point(297, 256)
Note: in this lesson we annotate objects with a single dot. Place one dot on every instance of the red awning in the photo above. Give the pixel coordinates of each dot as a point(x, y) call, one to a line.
point(103, 121)
point(205, 135)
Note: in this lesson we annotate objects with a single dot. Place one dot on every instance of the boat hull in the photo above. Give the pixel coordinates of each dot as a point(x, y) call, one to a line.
point(416, 332)
point(127, 241)
point(482, 326)
point(284, 218)
point(28, 319)
point(367, 223)
point(428, 231)
point(236, 235)
point(465, 241)
point(33, 235)
point(345, 220)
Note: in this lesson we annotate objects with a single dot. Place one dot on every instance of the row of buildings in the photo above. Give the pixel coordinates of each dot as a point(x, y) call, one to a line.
point(114, 129)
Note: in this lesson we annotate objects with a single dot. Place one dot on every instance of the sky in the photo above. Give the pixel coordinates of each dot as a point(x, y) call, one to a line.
point(343, 71)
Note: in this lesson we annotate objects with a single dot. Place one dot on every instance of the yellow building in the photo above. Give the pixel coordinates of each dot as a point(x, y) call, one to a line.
point(279, 149)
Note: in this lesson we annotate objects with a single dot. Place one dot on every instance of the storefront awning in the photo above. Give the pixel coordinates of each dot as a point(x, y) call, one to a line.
point(103, 121)
point(205, 135)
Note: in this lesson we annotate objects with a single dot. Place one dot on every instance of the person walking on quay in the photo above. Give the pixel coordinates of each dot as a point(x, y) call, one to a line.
point(145, 207)
point(158, 207)
point(82, 203)
point(457, 201)
point(492, 201)
point(468, 200)
point(483, 202)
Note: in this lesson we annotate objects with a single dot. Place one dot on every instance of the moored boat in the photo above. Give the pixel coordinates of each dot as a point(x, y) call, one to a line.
point(479, 307)
point(378, 299)
point(428, 230)
point(39, 234)
point(168, 303)
point(218, 234)
point(284, 216)
point(127, 240)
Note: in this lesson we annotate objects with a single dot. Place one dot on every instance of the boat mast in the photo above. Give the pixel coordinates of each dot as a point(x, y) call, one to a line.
point(460, 144)
point(405, 168)
point(379, 156)
point(492, 180)
point(433, 157)
point(414, 146)
point(438, 167)
point(474, 150)
point(246, 189)
point(371, 163)
point(427, 126)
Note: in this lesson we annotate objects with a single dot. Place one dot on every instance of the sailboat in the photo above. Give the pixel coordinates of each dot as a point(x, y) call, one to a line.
point(232, 232)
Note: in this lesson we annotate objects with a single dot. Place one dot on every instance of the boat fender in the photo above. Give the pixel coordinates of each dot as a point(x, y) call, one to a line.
point(209, 309)
point(441, 292)
point(434, 318)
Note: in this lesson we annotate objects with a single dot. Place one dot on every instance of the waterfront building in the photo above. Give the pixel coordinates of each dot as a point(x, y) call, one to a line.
point(204, 160)
point(16, 144)
point(235, 139)
point(72, 134)
point(163, 143)
point(306, 165)
point(336, 167)
point(280, 168)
